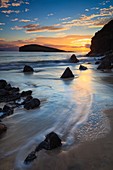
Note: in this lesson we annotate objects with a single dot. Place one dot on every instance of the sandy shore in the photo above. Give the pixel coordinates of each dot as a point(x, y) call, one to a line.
point(96, 155)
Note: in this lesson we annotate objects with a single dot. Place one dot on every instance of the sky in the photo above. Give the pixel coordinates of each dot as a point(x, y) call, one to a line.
point(63, 24)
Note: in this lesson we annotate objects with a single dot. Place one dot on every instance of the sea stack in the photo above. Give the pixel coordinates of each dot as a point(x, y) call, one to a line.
point(73, 59)
point(67, 74)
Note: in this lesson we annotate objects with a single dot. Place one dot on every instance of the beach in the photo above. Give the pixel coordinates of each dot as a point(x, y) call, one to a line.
point(78, 110)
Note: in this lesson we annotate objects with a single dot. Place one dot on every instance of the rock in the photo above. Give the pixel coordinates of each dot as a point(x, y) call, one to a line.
point(33, 103)
point(74, 59)
point(4, 92)
point(3, 128)
point(102, 42)
point(53, 140)
point(27, 69)
point(1, 110)
point(26, 93)
point(3, 84)
point(7, 110)
point(67, 73)
point(82, 67)
point(105, 64)
point(97, 62)
point(28, 98)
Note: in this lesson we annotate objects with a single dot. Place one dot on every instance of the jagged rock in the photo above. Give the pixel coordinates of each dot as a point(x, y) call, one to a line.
point(31, 104)
point(26, 93)
point(28, 69)
point(7, 110)
point(28, 98)
point(3, 128)
point(82, 67)
point(67, 73)
point(102, 42)
point(73, 59)
point(3, 84)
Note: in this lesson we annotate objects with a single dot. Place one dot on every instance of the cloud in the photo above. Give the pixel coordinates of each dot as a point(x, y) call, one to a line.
point(16, 4)
point(51, 14)
point(24, 20)
point(16, 28)
point(64, 19)
point(15, 19)
point(31, 26)
point(26, 9)
point(10, 11)
point(46, 29)
point(1, 29)
point(4, 4)
point(1, 23)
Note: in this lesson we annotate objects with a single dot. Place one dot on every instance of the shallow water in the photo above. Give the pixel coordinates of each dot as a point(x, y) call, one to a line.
point(71, 108)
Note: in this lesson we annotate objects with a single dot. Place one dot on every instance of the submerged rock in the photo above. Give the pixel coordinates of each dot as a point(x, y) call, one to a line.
point(3, 128)
point(28, 69)
point(73, 59)
point(32, 104)
point(82, 67)
point(67, 73)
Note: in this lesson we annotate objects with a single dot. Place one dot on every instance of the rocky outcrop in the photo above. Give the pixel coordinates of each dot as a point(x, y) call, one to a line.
point(73, 59)
point(106, 62)
point(81, 67)
point(67, 74)
point(102, 42)
point(28, 69)
point(38, 48)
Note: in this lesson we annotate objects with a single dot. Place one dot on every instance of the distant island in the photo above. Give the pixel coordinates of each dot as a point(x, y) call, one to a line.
point(38, 48)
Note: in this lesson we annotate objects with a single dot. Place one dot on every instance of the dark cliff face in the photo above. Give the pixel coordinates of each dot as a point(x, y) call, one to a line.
point(38, 48)
point(102, 42)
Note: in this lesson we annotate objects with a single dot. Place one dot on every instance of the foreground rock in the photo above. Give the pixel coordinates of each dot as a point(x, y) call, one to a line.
point(102, 42)
point(28, 69)
point(3, 128)
point(26, 93)
point(51, 141)
point(67, 73)
point(73, 59)
point(82, 67)
point(32, 104)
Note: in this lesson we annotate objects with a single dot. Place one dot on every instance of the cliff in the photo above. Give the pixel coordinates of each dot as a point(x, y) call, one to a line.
point(102, 42)
point(38, 48)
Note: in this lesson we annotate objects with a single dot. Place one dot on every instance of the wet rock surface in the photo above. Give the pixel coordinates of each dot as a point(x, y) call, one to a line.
point(52, 141)
point(67, 74)
point(73, 59)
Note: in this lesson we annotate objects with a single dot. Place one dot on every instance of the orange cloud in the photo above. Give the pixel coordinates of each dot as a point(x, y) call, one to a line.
point(78, 43)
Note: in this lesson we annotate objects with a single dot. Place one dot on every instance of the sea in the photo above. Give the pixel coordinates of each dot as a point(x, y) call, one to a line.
point(73, 108)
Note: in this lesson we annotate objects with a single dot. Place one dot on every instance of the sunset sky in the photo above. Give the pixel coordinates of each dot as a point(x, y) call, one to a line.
point(64, 24)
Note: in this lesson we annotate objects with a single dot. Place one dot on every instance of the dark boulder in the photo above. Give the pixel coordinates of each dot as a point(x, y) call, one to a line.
point(28, 98)
point(53, 140)
point(32, 104)
point(97, 62)
point(28, 69)
point(26, 93)
point(67, 73)
point(82, 67)
point(7, 110)
point(73, 59)
point(3, 84)
point(3, 128)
